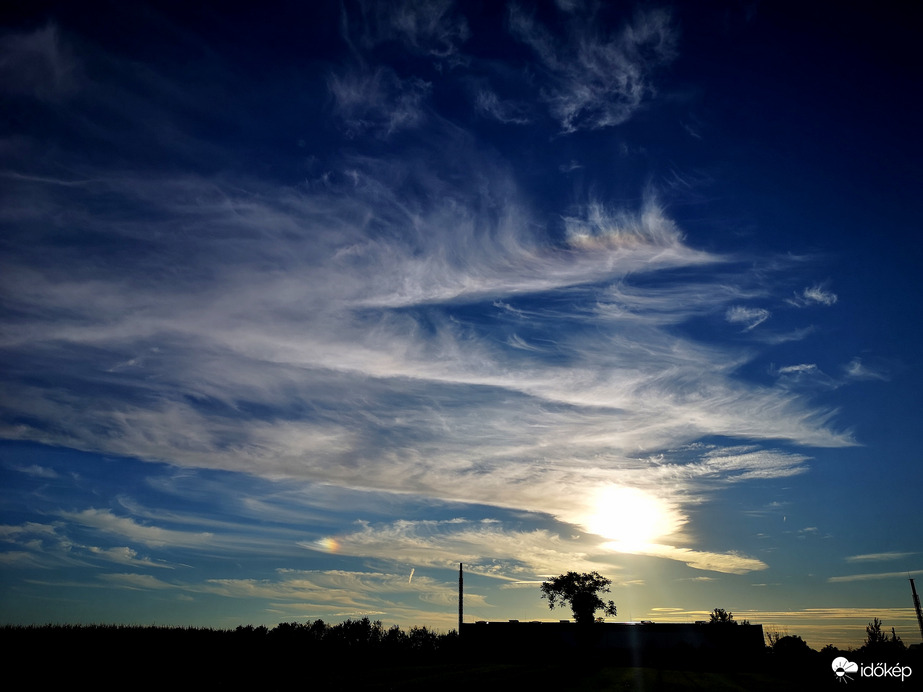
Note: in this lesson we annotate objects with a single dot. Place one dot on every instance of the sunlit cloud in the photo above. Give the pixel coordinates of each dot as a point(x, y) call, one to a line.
point(731, 465)
point(127, 556)
point(728, 563)
point(136, 581)
point(485, 547)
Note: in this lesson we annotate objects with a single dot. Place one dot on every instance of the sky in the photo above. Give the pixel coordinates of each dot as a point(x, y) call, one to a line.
point(304, 304)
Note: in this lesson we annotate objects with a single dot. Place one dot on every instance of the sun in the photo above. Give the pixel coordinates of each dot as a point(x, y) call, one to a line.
point(630, 517)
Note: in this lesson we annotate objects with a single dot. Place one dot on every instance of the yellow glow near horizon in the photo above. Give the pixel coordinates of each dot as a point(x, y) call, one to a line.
point(631, 518)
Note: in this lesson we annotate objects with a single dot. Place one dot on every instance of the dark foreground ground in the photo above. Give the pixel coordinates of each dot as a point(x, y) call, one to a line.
point(521, 676)
point(149, 658)
point(483, 677)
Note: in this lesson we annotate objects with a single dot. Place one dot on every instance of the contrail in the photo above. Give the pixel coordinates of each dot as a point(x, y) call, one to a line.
point(411, 575)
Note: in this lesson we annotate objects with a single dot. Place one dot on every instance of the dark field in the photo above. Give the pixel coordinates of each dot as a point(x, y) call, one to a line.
point(364, 656)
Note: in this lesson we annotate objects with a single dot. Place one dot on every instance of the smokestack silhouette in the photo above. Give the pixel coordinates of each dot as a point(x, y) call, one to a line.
point(461, 597)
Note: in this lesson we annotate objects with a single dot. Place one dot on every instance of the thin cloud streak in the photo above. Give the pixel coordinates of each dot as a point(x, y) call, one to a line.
point(878, 557)
point(875, 576)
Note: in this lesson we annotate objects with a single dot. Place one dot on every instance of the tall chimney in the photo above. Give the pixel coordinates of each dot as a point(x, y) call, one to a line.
point(461, 597)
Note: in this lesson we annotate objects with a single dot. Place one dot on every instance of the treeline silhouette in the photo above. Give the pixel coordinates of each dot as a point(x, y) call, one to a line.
point(347, 653)
point(364, 654)
point(793, 658)
point(351, 636)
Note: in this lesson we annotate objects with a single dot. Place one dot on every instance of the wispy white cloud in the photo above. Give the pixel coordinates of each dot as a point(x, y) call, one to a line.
point(728, 563)
point(746, 463)
point(366, 304)
point(15, 533)
point(371, 98)
point(135, 581)
point(107, 522)
point(751, 317)
point(430, 27)
point(805, 376)
point(377, 100)
point(811, 376)
point(505, 111)
point(857, 370)
point(485, 547)
point(813, 295)
point(801, 368)
point(598, 81)
point(875, 576)
point(126, 556)
point(51, 546)
point(878, 557)
point(38, 471)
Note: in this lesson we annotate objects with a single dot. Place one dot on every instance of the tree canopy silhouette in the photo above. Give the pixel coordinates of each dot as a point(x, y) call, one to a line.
point(719, 616)
point(878, 643)
point(580, 591)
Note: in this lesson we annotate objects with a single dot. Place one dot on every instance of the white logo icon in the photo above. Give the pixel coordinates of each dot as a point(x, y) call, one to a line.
point(842, 666)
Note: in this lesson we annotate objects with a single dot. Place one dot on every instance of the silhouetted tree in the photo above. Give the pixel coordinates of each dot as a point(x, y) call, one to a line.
point(423, 640)
point(831, 651)
point(874, 637)
point(719, 616)
point(395, 639)
point(774, 634)
point(877, 643)
point(580, 591)
point(792, 647)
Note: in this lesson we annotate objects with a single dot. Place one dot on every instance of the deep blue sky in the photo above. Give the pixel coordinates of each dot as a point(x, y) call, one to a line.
point(305, 303)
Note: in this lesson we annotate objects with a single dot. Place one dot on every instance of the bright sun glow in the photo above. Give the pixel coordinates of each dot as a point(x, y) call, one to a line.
point(631, 518)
